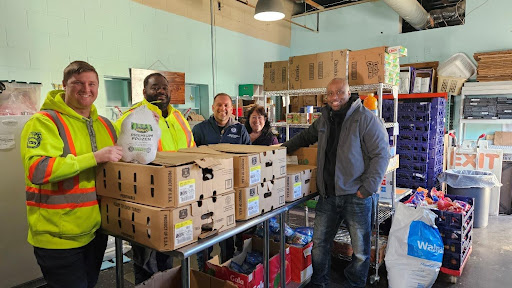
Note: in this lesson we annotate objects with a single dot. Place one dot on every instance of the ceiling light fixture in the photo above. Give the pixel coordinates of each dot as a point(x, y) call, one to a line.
point(269, 10)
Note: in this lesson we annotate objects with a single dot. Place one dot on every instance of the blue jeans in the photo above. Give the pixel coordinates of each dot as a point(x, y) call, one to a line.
point(329, 213)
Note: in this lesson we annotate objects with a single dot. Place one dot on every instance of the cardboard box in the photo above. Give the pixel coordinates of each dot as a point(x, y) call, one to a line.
point(163, 229)
point(172, 278)
point(503, 138)
point(258, 199)
point(400, 51)
point(248, 165)
point(255, 278)
point(271, 165)
point(302, 267)
point(300, 181)
point(217, 170)
point(306, 155)
point(273, 193)
point(214, 214)
point(373, 66)
point(316, 70)
point(172, 180)
point(248, 202)
point(275, 76)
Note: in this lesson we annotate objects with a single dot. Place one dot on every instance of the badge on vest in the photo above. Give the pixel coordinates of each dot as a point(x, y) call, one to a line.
point(34, 140)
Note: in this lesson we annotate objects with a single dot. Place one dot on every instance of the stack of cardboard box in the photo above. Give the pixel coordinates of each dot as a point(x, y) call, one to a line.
point(169, 203)
point(258, 179)
point(368, 66)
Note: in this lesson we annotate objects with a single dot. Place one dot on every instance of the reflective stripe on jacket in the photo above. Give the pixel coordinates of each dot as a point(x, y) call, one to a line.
point(176, 133)
point(57, 146)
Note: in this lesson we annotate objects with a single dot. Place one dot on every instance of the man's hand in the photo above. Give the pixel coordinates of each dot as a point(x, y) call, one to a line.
point(156, 116)
point(109, 154)
point(358, 194)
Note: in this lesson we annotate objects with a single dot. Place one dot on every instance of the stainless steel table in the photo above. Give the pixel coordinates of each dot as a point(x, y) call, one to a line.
point(184, 253)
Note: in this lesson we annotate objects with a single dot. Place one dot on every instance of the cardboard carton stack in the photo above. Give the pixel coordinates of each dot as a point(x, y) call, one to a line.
point(169, 203)
point(258, 179)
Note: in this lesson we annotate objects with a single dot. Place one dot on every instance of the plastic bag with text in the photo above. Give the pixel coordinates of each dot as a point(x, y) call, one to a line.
point(139, 136)
point(415, 248)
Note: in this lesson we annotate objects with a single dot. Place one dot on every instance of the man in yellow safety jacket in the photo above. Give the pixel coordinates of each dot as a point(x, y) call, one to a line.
point(176, 134)
point(61, 146)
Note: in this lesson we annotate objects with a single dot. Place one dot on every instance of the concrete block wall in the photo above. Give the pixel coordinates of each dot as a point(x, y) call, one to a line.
point(38, 38)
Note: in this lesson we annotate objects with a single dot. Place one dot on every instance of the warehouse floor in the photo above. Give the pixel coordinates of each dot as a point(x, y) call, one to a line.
point(489, 265)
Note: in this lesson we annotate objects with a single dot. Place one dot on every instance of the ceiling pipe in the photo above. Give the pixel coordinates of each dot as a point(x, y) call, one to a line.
point(412, 12)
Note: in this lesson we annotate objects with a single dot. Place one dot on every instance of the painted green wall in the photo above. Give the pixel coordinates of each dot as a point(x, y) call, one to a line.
point(488, 27)
point(38, 38)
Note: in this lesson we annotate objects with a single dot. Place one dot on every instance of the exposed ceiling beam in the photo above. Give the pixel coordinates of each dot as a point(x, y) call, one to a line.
point(314, 4)
point(332, 8)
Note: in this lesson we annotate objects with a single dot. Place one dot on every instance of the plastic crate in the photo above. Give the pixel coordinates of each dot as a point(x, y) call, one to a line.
point(453, 260)
point(451, 219)
point(458, 65)
point(451, 85)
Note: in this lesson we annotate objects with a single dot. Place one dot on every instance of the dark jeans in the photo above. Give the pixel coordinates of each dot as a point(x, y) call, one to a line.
point(329, 213)
point(227, 249)
point(147, 262)
point(76, 267)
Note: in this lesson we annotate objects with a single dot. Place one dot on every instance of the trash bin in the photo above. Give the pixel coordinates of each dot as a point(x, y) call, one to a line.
point(475, 184)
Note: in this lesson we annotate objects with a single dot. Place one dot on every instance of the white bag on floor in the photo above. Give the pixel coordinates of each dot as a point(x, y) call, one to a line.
point(415, 248)
point(139, 136)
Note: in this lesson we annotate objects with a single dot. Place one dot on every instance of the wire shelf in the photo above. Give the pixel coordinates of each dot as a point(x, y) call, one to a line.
point(284, 124)
point(320, 91)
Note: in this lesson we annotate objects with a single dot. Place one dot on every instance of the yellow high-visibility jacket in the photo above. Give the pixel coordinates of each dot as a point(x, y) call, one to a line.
point(57, 146)
point(176, 133)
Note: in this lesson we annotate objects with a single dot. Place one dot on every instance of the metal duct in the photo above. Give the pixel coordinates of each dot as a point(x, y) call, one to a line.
point(456, 12)
point(412, 12)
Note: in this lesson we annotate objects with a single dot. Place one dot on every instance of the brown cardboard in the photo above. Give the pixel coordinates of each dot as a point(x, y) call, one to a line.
point(306, 155)
point(247, 165)
point(316, 70)
point(300, 181)
point(171, 180)
point(275, 76)
point(367, 66)
point(214, 214)
point(172, 278)
point(273, 194)
point(272, 161)
point(217, 172)
point(248, 202)
point(503, 138)
point(162, 229)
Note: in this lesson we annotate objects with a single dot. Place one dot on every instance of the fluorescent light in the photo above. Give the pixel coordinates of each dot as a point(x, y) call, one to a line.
point(269, 10)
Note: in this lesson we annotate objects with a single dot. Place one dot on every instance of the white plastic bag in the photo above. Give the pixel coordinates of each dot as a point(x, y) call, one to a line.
point(139, 136)
point(415, 248)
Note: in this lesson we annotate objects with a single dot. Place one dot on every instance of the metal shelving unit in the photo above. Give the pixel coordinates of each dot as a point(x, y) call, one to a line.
point(381, 211)
point(186, 252)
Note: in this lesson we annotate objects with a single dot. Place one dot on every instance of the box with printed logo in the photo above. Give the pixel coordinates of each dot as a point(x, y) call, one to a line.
point(255, 278)
point(217, 170)
point(317, 70)
point(273, 193)
point(275, 76)
point(302, 267)
point(248, 202)
point(163, 229)
point(373, 66)
point(214, 214)
point(300, 181)
point(172, 180)
point(255, 164)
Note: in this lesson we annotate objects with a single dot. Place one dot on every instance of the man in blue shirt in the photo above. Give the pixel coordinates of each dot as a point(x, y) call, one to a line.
point(221, 127)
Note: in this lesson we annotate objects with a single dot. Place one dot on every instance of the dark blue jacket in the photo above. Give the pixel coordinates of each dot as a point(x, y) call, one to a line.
point(208, 132)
